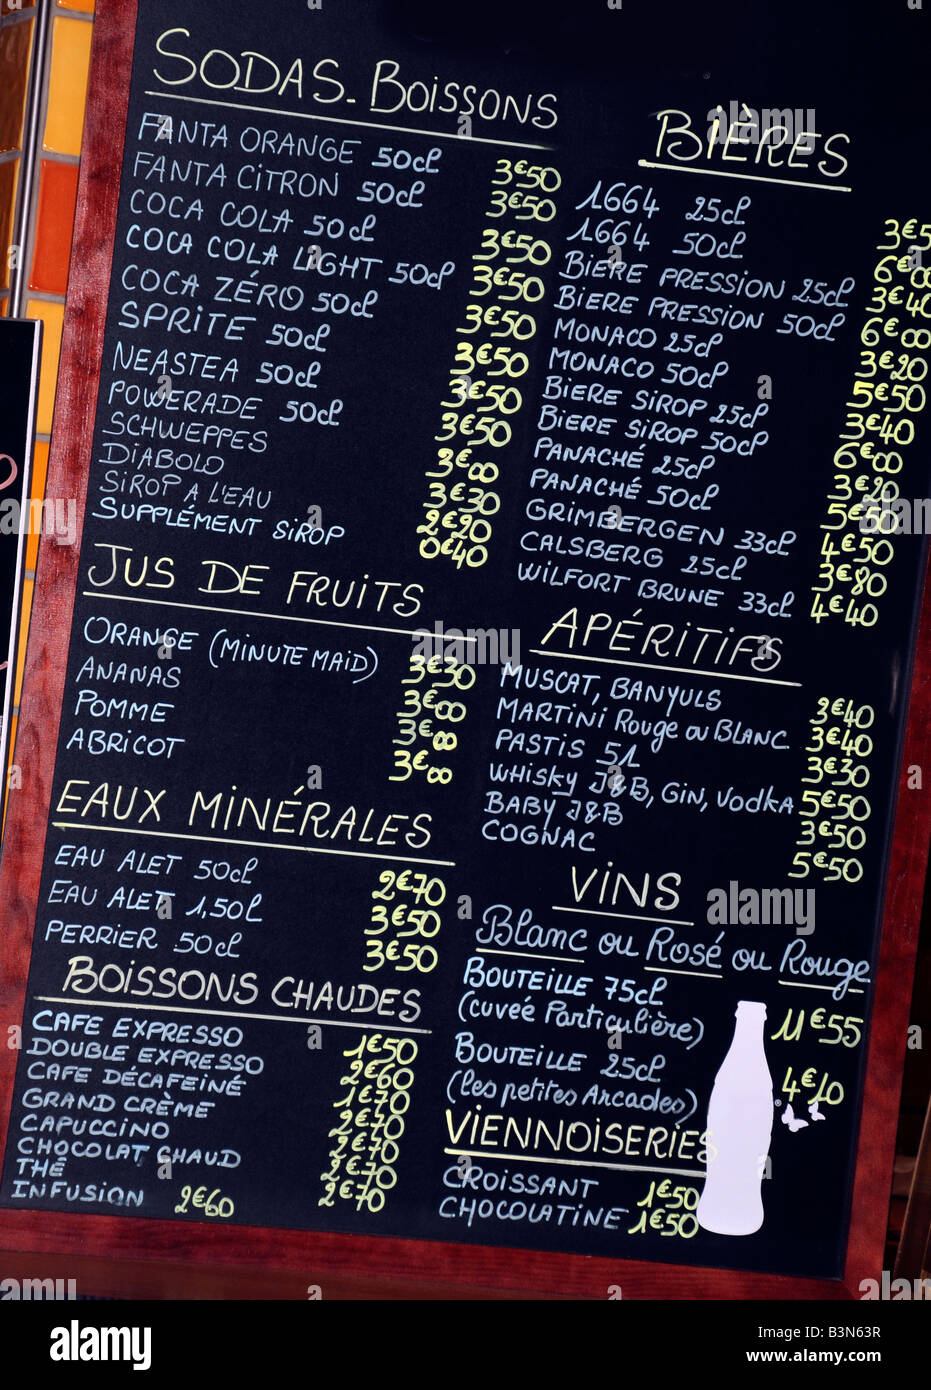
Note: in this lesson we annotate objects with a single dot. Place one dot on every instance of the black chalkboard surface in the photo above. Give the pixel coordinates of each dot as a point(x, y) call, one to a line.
point(493, 634)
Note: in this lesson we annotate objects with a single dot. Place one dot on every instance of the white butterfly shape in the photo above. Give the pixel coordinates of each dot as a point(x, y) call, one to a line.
point(788, 1118)
point(814, 1112)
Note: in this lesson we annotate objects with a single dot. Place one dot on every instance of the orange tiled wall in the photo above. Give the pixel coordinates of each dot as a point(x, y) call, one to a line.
point(47, 243)
point(16, 27)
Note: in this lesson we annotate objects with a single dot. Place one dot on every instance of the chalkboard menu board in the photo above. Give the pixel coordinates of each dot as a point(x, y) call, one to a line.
point(483, 700)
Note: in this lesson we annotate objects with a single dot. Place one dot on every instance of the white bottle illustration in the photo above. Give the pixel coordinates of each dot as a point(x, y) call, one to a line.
point(740, 1125)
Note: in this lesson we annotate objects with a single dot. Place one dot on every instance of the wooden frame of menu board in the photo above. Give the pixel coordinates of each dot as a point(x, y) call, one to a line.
point(157, 1258)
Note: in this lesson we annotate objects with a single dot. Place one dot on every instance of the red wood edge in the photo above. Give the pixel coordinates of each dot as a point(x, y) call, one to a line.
point(895, 975)
point(141, 1254)
point(69, 463)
